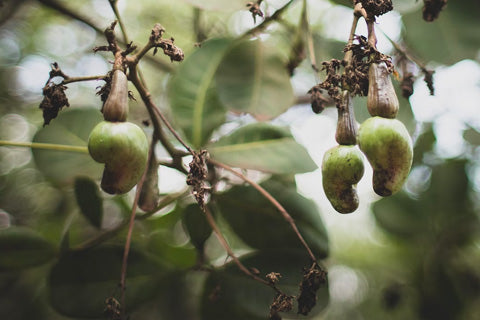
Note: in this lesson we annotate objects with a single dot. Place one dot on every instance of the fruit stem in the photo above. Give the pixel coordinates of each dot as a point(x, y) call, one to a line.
point(45, 146)
point(372, 38)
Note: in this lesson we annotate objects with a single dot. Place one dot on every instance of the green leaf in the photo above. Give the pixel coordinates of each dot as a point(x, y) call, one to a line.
point(260, 225)
point(71, 127)
point(81, 281)
point(452, 37)
point(263, 147)
point(401, 216)
point(253, 78)
point(193, 96)
point(196, 225)
point(230, 294)
point(89, 200)
point(22, 248)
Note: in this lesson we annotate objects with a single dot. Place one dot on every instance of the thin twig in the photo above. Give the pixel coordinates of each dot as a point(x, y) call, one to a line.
point(45, 146)
point(372, 38)
point(79, 79)
point(356, 16)
point(231, 254)
point(154, 114)
point(275, 16)
point(270, 198)
point(128, 240)
point(113, 4)
point(309, 36)
point(63, 9)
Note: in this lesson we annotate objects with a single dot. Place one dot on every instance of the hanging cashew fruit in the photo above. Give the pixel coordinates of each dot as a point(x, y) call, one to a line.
point(342, 169)
point(388, 148)
point(123, 147)
point(346, 133)
point(382, 100)
point(116, 106)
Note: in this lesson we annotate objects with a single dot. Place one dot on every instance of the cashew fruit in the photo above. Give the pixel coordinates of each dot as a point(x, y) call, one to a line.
point(382, 100)
point(346, 133)
point(123, 147)
point(388, 148)
point(342, 169)
point(115, 108)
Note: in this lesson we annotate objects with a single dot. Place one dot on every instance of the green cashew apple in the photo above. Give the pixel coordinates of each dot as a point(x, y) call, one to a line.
point(388, 148)
point(382, 100)
point(123, 147)
point(342, 169)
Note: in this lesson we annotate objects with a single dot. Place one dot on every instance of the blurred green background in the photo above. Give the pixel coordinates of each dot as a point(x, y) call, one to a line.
point(415, 255)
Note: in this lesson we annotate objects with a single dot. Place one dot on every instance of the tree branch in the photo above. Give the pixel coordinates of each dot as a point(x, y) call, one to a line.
point(270, 198)
point(61, 8)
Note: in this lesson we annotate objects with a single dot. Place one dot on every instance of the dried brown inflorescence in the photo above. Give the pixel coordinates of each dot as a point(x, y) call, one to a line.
point(313, 279)
point(376, 7)
point(254, 8)
point(432, 9)
point(281, 303)
point(197, 175)
point(54, 99)
point(407, 85)
point(317, 99)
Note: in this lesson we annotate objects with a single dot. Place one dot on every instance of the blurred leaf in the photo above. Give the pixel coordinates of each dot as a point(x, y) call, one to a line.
point(220, 5)
point(81, 281)
point(326, 49)
point(253, 78)
point(448, 196)
point(178, 256)
point(424, 143)
point(452, 37)
point(263, 147)
point(472, 136)
point(260, 225)
point(401, 216)
point(444, 207)
point(22, 248)
point(174, 299)
point(196, 225)
point(89, 200)
point(230, 294)
point(72, 127)
point(193, 96)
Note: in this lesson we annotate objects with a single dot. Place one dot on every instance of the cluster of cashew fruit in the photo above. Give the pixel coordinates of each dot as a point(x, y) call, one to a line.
point(122, 146)
point(383, 139)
